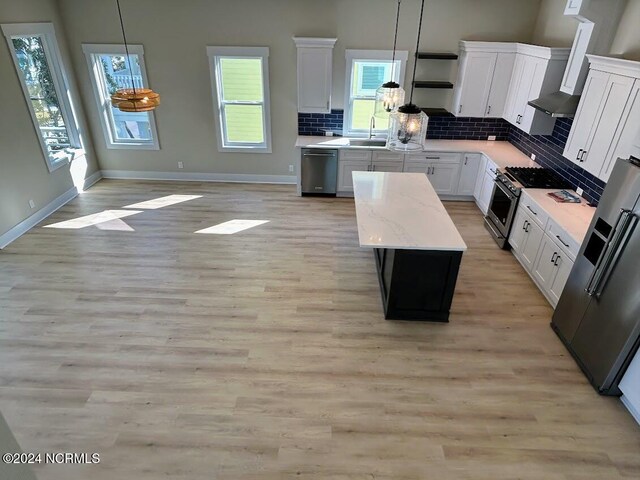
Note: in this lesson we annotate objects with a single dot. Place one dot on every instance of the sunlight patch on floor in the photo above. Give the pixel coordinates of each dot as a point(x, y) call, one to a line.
point(105, 220)
point(163, 202)
point(232, 226)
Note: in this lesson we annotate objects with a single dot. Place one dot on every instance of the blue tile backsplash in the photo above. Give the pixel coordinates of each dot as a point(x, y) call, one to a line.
point(319, 123)
point(467, 128)
point(548, 148)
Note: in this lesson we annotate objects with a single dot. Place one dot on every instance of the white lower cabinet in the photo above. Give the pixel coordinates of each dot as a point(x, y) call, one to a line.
point(444, 177)
point(484, 186)
point(525, 238)
point(630, 387)
point(543, 257)
point(552, 269)
point(469, 173)
point(348, 165)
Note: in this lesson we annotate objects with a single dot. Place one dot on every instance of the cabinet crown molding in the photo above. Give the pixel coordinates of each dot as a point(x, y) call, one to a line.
point(547, 53)
point(314, 42)
point(620, 66)
point(491, 47)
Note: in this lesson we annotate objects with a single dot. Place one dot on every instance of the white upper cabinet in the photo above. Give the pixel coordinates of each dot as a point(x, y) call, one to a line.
point(608, 116)
point(576, 7)
point(484, 74)
point(537, 71)
point(315, 60)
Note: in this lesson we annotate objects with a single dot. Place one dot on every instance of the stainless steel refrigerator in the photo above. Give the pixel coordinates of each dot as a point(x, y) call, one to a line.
point(598, 315)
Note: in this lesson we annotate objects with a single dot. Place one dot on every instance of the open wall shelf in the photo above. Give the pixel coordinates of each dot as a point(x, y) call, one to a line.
point(432, 84)
point(437, 55)
point(436, 112)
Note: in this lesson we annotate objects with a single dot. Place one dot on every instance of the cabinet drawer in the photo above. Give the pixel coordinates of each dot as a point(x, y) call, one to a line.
point(490, 167)
point(535, 212)
point(388, 157)
point(563, 239)
point(355, 155)
point(436, 157)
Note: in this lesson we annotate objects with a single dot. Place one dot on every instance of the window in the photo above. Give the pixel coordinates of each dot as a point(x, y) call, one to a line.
point(36, 57)
point(366, 71)
point(111, 70)
point(240, 82)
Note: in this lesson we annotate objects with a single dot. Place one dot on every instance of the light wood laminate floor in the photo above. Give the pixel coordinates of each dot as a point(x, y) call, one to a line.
point(265, 354)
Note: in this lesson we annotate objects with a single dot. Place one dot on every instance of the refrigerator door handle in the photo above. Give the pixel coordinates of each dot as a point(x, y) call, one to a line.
point(627, 226)
point(605, 251)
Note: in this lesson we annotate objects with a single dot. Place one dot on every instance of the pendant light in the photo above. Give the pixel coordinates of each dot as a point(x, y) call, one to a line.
point(390, 95)
point(408, 125)
point(133, 99)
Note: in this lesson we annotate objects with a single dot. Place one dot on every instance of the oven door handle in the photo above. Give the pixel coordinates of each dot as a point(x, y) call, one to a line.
point(505, 190)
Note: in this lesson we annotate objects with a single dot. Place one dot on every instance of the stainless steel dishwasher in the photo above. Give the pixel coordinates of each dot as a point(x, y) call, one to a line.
point(319, 169)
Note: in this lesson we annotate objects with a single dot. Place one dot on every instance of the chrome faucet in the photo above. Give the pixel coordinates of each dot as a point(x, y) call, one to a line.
point(372, 126)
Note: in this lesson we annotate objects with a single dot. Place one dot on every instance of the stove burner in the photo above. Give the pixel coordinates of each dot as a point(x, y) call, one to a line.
point(537, 177)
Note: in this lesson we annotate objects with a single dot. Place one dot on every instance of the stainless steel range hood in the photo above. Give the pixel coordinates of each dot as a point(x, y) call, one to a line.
point(564, 103)
point(558, 104)
point(595, 33)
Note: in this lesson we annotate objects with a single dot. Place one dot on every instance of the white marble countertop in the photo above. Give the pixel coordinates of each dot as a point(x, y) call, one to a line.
point(574, 218)
point(402, 211)
point(503, 154)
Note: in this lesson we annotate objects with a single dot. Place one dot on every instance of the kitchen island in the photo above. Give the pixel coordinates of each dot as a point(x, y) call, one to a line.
point(417, 248)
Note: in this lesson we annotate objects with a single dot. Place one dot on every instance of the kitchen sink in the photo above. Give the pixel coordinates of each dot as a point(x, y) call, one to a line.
point(367, 142)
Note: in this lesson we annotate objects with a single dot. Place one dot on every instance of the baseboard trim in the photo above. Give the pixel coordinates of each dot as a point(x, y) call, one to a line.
point(28, 223)
point(632, 409)
point(92, 180)
point(199, 177)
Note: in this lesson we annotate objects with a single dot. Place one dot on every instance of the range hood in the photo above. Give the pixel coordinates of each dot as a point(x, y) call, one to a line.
point(564, 103)
point(595, 33)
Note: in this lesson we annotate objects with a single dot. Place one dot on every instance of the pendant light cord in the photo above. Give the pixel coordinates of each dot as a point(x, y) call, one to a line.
point(395, 36)
point(415, 60)
point(126, 48)
point(395, 41)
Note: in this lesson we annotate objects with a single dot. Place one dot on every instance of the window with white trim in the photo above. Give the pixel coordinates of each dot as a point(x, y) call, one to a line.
point(111, 70)
point(240, 84)
point(38, 63)
point(366, 71)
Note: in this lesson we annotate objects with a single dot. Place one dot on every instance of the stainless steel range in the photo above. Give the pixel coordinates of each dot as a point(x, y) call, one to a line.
point(506, 193)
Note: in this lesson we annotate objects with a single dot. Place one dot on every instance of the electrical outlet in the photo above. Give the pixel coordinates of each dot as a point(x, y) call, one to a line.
point(180, 165)
point(291, 168)
point(328, 133)
point(579, 191)
point(533, 156)
point(491, 137)
point(32, 204)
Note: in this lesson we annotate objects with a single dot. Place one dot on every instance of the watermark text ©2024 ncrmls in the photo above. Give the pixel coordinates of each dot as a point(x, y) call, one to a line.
point(68, 458)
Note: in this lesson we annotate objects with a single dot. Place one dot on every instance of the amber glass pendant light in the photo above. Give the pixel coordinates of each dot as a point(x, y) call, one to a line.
point(408, 125)
point(390, 95)
point(133, 99)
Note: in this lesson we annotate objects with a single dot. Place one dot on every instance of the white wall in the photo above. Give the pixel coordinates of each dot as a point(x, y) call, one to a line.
point(174, 35)
point(23, 171)
point(552, 28)
point(627, 40)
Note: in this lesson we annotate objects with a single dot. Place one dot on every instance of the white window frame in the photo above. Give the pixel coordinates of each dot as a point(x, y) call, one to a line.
point(47, 34)
point(353, 56)
point(92, 52)
point(214, 54)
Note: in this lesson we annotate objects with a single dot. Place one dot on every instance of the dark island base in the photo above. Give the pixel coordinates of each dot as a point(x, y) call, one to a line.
point(417, 284)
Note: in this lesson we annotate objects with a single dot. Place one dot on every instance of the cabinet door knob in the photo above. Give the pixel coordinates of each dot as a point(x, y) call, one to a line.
point(578, 155)
point(553, 257)
point(584, 152)
point(558, 258)
point(488, 109)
